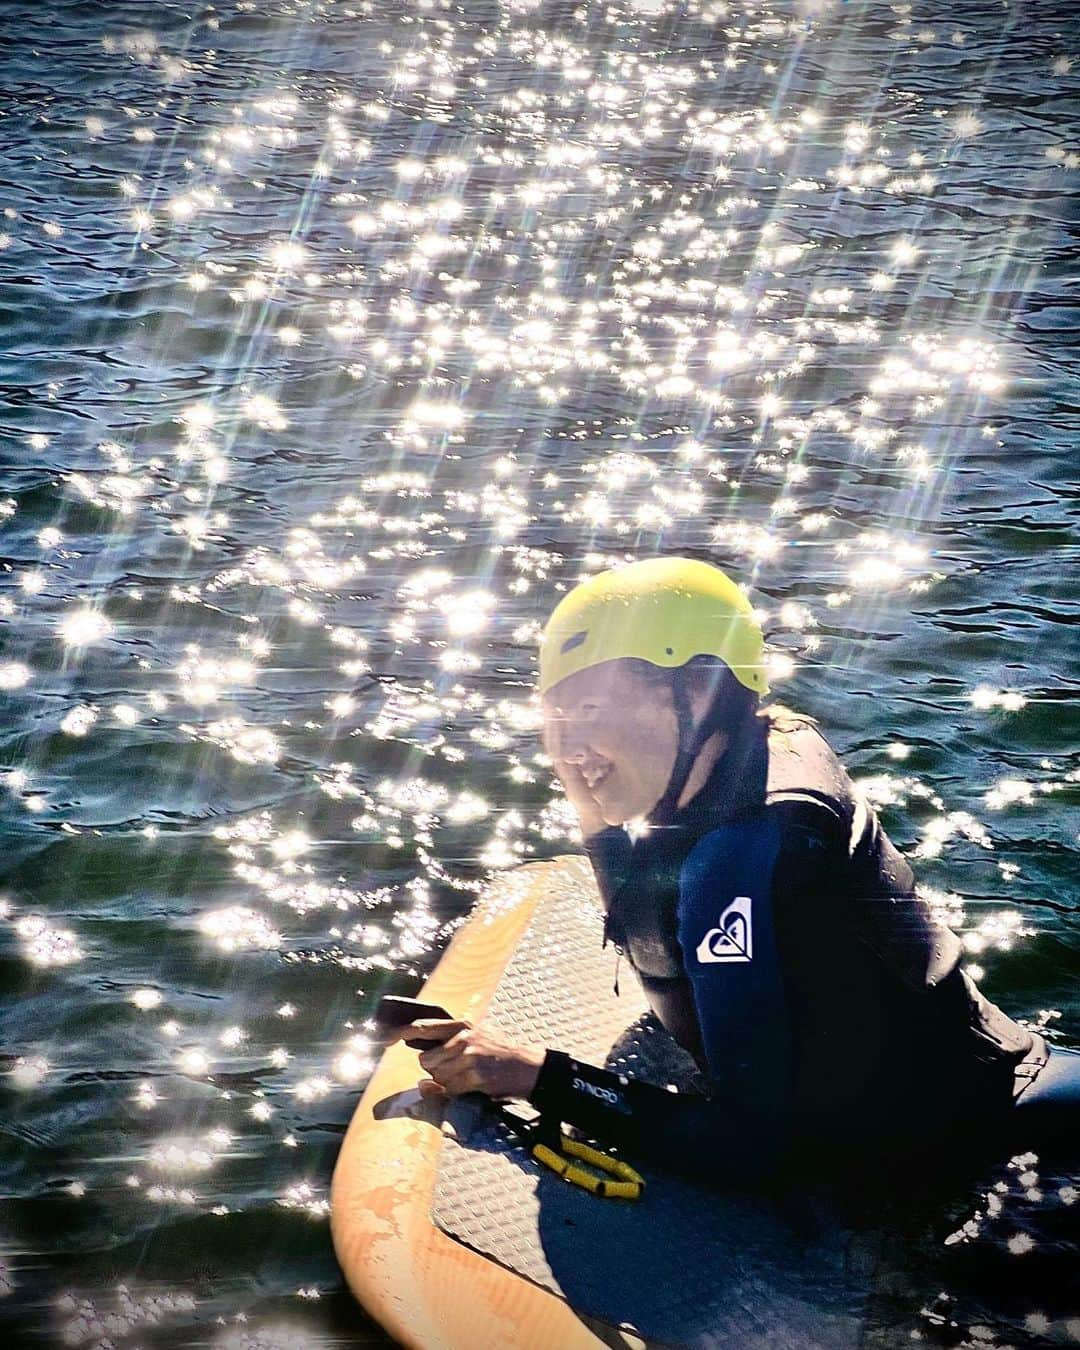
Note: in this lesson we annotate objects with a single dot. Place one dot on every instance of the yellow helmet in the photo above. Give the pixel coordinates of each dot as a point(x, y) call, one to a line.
point(662, 610)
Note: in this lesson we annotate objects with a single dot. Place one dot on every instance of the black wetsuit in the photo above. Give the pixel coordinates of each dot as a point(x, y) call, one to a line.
point(777, 934)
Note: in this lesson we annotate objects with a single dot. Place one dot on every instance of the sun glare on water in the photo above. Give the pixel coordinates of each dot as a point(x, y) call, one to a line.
point(375, 329)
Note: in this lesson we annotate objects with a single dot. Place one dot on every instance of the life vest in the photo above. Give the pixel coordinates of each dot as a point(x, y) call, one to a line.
point(884, 1022)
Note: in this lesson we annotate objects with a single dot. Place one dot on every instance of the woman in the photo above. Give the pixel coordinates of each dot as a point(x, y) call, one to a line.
point(772, 924)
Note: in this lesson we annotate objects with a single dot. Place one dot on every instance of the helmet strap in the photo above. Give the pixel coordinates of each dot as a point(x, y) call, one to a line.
point(691, 741)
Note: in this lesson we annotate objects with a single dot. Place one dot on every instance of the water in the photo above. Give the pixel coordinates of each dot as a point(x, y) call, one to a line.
point(342, 338)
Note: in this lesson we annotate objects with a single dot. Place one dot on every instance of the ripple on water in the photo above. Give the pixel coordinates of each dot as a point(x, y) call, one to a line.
point(341, 342)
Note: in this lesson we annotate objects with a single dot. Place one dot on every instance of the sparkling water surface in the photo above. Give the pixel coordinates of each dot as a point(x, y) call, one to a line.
point(341, 338)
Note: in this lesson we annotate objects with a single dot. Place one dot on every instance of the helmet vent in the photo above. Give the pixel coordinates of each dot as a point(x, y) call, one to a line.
point(575, 641)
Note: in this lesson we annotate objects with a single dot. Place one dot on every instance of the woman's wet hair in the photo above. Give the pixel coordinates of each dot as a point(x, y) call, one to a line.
point(734, 704)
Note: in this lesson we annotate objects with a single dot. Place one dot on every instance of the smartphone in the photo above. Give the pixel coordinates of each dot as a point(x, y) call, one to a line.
point(394, 1012)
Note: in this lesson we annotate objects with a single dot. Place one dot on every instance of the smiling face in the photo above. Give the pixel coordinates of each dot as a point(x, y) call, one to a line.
point(613, 734)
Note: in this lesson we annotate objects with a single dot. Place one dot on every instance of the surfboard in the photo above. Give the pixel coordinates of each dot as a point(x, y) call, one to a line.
point(453, 1239)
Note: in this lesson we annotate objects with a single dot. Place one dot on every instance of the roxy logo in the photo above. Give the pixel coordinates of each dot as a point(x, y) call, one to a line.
point(733, 938)
point(603, 1093)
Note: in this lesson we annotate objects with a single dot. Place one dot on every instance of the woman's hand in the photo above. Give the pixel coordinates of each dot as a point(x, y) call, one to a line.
point(580, 798)
point(464, 1058)
point(577, 793)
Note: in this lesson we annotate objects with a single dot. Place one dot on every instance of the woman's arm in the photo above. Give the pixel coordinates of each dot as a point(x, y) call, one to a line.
point(706, 1137)
point(725, 929)
point(682, 1131)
